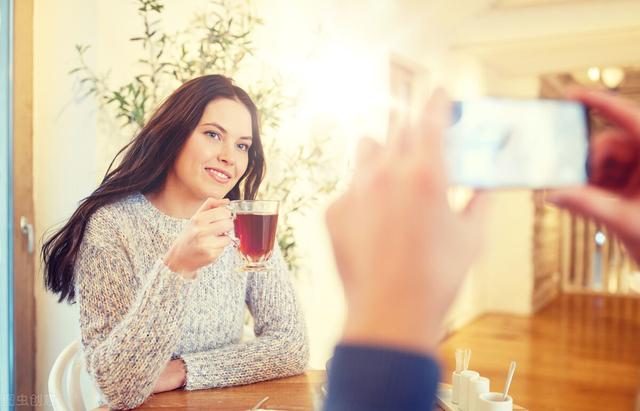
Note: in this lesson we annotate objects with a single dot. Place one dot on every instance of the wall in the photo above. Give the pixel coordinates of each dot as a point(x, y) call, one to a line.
point(506, 263)
point(64, 153)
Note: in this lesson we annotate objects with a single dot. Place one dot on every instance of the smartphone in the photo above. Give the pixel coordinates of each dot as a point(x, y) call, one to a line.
point(517, 143)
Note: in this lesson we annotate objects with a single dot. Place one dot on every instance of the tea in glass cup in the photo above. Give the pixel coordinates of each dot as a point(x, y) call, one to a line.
point(255, 224)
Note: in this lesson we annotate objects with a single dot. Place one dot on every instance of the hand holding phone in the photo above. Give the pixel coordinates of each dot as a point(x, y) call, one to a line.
point(613, 196)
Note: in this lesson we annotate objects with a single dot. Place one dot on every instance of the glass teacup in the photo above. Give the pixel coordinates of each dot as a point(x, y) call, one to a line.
point(255, 224)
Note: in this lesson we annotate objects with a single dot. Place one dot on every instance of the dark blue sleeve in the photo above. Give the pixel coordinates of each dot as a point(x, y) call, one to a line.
point(380, 379)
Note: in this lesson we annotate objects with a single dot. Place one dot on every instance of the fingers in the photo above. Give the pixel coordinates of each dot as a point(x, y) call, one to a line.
point(475, 212)
point(212, 215)
point(428, 138)
point(616, 109)
point(614, 161)
point(633, 182)
point(369, 157)
point(593, 202)
point(214, 243)
point(426, 143)
point(210, 203)
point(333, 221)
point(218, 228)
point(611, 157)
point(368, 152)
point(428, 146)
point(213, 219)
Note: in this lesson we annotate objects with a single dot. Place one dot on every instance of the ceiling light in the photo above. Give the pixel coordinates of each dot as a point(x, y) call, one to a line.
point(612, 77)
point(593, 73)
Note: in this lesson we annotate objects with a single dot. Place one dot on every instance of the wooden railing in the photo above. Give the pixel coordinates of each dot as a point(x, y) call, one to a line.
point(575, 255)
point(595, 260)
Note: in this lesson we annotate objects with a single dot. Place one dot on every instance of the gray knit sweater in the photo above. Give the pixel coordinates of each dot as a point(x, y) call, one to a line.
point(136, 314)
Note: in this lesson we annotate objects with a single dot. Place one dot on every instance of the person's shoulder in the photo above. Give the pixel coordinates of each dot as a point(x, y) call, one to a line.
point(110, 220)
point(116, 210)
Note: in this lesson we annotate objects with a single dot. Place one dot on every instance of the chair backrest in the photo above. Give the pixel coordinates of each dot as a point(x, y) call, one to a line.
point(66, 393)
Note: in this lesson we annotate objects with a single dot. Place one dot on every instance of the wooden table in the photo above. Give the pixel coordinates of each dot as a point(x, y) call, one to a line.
point(301, 392)
point(298, 393)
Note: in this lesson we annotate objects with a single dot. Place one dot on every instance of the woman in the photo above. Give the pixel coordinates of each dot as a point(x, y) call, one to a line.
point(148, 257)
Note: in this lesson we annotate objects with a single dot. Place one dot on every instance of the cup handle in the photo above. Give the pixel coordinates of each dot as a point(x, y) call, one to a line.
point(236, 242)
point(233, 211)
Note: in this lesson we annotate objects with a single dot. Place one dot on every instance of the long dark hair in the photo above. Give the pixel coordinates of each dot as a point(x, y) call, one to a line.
point(145, 163)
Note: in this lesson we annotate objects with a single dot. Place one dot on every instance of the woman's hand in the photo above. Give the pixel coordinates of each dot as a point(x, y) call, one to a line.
point(613, 196)
point(173, 376)
point(202, 240)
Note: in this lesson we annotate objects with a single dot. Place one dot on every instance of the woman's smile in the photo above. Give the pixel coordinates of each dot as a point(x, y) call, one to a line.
point(220, 176)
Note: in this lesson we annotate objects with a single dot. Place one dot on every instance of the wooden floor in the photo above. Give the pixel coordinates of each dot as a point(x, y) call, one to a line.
point(580, 353)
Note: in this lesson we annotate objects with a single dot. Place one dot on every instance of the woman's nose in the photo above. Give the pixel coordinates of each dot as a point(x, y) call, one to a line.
point(226, 154)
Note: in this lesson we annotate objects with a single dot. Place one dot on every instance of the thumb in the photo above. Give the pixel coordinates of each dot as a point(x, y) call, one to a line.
point(597, 203)
point(210, 203)
point(475, 211)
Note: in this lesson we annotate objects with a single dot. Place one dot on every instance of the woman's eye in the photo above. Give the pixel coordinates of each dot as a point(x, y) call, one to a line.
point(243, 147)
point(213, 134)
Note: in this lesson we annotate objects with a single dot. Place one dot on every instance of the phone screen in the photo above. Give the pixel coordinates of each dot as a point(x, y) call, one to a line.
point(517, 143)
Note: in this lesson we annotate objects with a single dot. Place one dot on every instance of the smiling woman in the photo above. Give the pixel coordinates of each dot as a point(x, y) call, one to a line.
point(161, 303)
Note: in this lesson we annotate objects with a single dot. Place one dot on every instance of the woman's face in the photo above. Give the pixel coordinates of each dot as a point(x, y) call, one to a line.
point(216, 153)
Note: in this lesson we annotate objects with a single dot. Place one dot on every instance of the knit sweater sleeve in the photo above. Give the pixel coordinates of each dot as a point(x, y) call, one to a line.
point(129, 321)
point(280, 348)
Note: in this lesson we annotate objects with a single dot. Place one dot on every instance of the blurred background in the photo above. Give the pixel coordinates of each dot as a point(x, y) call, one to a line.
point(551, 290)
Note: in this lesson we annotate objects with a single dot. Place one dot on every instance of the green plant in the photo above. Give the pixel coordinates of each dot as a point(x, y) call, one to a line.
point(217, 41)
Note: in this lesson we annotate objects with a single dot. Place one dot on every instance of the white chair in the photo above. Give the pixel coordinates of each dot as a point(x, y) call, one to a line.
point(66, 391)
